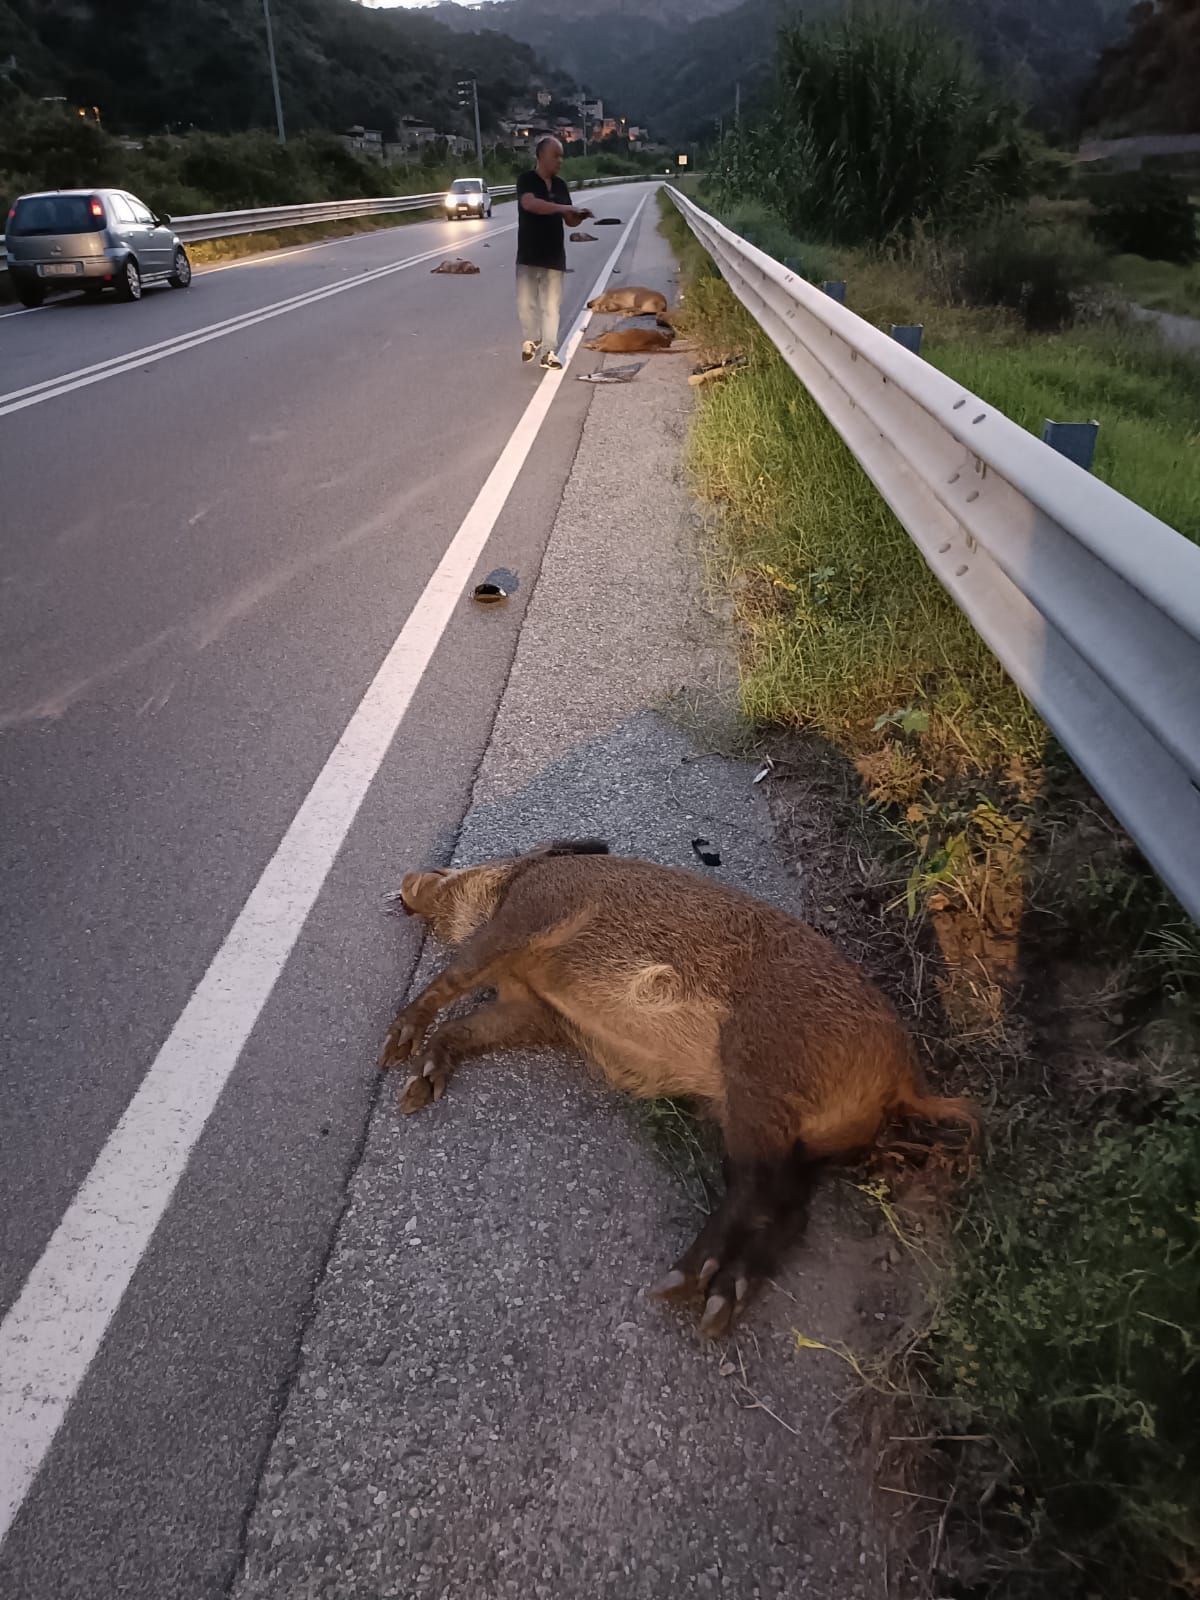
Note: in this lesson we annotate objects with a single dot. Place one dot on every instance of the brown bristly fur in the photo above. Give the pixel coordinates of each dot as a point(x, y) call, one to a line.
point(630, 298)
point(673, 985)
point(632, 341)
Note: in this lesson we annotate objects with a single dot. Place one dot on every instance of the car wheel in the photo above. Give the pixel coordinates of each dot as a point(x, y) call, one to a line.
point(129, 281)
point(182, 274)
point(30, 295)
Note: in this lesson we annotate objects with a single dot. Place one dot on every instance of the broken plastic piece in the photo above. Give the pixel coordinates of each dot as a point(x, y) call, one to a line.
point(707, 852)
point(715, 369)
point(624, 374)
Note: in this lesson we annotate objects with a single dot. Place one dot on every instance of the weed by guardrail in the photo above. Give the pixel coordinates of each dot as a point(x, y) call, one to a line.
point(1043, 1442)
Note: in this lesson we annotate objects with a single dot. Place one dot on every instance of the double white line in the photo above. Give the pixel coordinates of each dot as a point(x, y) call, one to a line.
point(51, 1334)
point(51, 388)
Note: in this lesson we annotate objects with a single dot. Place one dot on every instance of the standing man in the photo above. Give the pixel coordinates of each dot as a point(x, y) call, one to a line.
point(543, 205)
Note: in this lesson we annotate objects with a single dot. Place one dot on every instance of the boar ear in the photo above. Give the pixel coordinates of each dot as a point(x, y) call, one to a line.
point(416, 886)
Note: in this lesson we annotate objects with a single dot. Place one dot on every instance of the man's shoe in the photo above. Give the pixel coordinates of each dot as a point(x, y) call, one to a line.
point(529, 350)
point(551, 362)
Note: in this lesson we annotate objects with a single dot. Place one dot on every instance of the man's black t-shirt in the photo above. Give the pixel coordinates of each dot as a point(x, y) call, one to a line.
point(540, 239)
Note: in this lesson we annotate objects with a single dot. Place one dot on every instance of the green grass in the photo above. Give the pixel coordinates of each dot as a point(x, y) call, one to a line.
point(842, 621)
point(769, 233)
point(1145, 397)
point(1069, 1334)
point(1159, 285)
point(1061, 1370)
point(689, 1146)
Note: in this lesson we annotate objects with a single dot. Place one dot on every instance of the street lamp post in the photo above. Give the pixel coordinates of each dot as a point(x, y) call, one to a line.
point(274, 72)
point(473, 86)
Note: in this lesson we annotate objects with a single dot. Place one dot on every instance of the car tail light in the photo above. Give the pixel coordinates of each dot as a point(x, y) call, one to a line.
point(97, 208)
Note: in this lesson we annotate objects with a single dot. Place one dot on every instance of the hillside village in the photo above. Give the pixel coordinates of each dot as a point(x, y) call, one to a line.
point(581, 125)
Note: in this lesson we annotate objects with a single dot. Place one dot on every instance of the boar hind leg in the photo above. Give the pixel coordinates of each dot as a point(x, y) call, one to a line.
point(763, 1208)
point(515, 1020)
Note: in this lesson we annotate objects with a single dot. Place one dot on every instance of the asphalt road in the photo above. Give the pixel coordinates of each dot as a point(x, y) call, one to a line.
point(219, 511)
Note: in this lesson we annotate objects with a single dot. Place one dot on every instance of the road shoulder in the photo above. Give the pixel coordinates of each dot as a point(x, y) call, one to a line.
point(487, 1404)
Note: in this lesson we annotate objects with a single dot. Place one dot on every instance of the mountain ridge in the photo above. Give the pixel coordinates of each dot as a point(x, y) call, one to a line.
point(664, 65)
point(202, 63)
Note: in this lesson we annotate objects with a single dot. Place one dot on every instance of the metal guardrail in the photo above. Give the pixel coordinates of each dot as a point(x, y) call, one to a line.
point(266, 219)
point(224, 224)
point(1091, 604)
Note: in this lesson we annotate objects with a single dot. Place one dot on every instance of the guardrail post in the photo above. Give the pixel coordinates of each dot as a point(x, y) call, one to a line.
point(792, 263)
point(836, 290)
point(1075, 440)
point(909, 335)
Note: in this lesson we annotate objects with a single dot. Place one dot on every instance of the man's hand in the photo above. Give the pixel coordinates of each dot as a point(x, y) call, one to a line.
point(575, 218)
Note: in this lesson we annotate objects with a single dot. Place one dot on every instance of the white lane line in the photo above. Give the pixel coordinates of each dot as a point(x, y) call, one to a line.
point(286, 252)
point(52, 388)
point(290, 252)
point(265, 257)
point(51, 1335)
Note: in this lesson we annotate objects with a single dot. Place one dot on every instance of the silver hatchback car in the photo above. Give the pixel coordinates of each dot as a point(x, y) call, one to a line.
point(90, 239)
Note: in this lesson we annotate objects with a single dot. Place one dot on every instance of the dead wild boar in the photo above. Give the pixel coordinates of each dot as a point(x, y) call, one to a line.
point(672, 985)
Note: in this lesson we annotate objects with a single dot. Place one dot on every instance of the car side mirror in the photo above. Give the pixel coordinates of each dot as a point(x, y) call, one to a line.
point(163, 219)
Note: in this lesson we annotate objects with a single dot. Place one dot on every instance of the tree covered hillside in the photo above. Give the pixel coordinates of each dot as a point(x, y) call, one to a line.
point(1150, 81)
point(679, 77)
point(152, 64)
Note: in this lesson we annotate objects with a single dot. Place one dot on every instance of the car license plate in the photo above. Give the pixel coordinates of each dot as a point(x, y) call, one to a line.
point(60, 269)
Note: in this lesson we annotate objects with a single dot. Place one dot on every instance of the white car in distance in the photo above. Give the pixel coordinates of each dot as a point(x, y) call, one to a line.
point(468, 197)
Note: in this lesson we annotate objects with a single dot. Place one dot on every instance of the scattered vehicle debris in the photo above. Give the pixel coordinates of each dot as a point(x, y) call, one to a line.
point(715, 369)
point(631, 341)
point(707, 851)
point(624, 374)
point(497, 586)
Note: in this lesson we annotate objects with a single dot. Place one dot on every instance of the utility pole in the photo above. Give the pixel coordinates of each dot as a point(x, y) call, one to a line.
point(473, 86)
point(274, 72)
